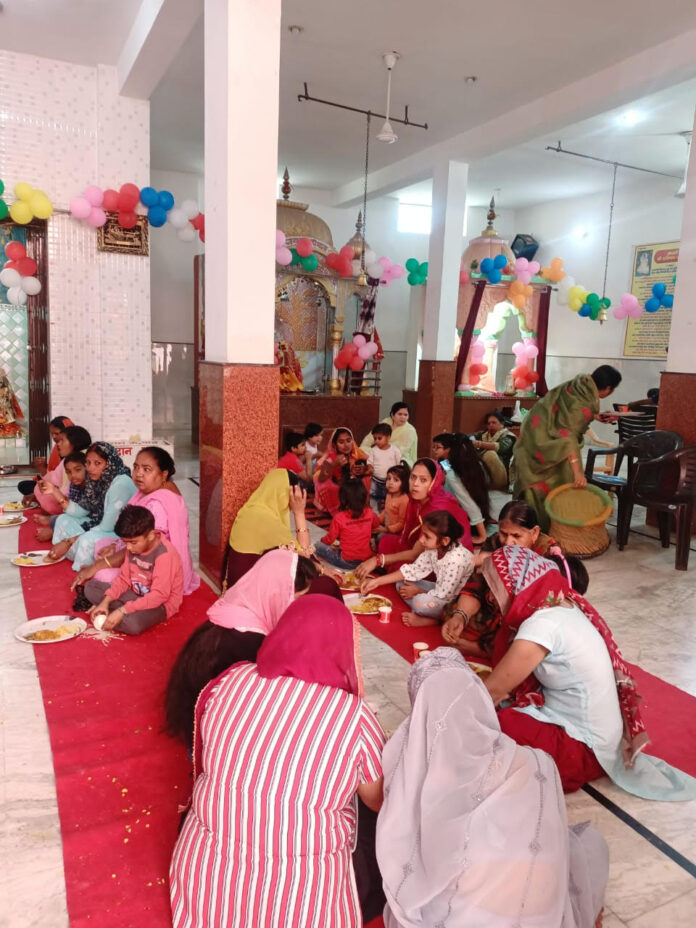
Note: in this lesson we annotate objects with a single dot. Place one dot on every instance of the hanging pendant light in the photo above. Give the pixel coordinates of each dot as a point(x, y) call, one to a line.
point(386, 134)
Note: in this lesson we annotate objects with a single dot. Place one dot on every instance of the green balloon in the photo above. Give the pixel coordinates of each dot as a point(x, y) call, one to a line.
point(592, 298)
point(295, 256)
point(4, 211)
point(413, 279)
point(423, 269)
point(309, 263)
point(412, 265)
point(2, 188)
point(606, 302)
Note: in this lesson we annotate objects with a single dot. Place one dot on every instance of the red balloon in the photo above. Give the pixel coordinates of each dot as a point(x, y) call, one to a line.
point(10, 266)
point(15, 251)
point(110, 201)
point(478, 369)
point(197, 221)
point(532, 377)
point(130, 190)
point(331, 260)
point(344, 267)
point(128, 197)
point(347, 253)
point(356, 364)
point(303, 246)
point(26, 267)
point(127, 219)
point(341, 361)
point(474, 380)
point(350, 350)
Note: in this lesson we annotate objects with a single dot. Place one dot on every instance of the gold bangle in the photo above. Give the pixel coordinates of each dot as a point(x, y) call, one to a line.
point(107, 561)
point(573, 460)
point(303, 530)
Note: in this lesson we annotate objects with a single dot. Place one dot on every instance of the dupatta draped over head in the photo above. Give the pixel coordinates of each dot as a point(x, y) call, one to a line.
point(522, 583)
point(258, 599)
point(437, 498)
point(95, 490)
point(263, 522)
point(316, 640)
point(473, 828)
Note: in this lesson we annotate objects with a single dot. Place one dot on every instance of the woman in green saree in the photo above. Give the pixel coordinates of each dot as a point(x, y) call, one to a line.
point(547, 453)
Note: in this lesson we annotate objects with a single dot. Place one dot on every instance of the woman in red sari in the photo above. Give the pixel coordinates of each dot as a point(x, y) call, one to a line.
point(342, 452)
point(426, 494)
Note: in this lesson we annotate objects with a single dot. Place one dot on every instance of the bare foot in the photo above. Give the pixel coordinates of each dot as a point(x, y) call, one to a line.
point(44, 533)
point(416, 621)
point(42, 519)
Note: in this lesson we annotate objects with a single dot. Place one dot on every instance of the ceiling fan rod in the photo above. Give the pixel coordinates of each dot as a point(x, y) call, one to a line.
point(619, 164)
point(354, 109)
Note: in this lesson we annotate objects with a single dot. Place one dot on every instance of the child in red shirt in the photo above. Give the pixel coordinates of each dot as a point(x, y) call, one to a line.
point(150, 585)
point(293, 459)
point(352, 526)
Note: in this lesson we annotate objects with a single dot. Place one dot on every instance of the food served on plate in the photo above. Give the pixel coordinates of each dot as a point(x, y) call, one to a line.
point(350, 581)
point(13, 507)
point(12, 520)
point(482, 670)
point(368, 605)
point(32, 558)
point(68, 630)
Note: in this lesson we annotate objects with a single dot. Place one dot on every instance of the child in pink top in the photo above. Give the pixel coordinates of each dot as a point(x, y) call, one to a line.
point(352, 527)
point(150, 585)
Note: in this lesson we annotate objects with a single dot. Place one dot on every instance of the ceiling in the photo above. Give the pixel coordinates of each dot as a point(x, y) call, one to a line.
point(87, 32)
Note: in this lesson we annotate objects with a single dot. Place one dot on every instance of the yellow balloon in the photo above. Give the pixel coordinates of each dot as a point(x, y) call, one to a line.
point(40, 205)
point(23, 192)
point(20, 212)
point(574, 292)
point(574, 303)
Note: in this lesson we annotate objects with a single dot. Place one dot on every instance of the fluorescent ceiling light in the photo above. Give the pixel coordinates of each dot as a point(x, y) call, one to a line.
point(631, 118)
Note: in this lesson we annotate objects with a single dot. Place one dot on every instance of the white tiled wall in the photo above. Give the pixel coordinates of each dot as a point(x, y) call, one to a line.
point(62, 127)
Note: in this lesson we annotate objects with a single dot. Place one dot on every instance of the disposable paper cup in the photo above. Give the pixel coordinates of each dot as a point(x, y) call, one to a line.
point(424, 652)
point(385, 614)
point(418, 647)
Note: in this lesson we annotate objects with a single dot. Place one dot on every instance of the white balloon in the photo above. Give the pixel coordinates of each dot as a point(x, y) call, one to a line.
point(140, 209)
point(16, 296)
point(370, 257)
point(187, 234)
point(31, 285)
point(190, 209)
point(356, 267)
point(177, 217)
point(375, 270)
point(9, 277)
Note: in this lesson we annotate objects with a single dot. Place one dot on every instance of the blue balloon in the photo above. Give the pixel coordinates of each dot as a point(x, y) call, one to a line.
point(495, 276)
point(584, 310)
point(499, 262)
point(652, 305)
point(149, 197)
point(156, 216)
point(166, 200)
point(486, 266)
point(659, 290)
point(668, 300)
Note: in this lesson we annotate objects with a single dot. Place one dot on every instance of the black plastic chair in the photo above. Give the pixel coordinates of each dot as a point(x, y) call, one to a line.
point(667, 485)
point(629, 427)
point(646, 446)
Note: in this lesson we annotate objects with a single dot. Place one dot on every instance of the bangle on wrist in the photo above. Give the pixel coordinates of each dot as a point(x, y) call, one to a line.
point(463, 614)
point(106, 561)
point(382, 560)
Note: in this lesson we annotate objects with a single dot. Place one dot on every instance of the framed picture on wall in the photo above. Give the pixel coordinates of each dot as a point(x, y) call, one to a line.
point(113, 237)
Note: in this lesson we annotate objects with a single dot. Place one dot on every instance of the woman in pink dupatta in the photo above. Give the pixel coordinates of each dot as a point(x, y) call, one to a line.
point(152, 474)
point(282, 748)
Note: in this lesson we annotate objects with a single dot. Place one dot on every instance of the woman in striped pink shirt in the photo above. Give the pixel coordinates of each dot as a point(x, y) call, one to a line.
point(282, 748)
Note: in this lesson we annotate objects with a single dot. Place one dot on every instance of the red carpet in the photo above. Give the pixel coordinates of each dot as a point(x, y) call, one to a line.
point(119, 779)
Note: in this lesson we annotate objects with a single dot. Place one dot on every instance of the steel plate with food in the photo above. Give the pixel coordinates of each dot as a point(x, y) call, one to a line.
point(50, 630)
point(8, 520)
point(366, 605)
point(18, 507)
point(350, 582)
point(34, 559)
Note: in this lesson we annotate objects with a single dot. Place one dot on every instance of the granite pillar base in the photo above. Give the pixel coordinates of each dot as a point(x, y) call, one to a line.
point(238, 446)
point(676, 411)
point(433, 403)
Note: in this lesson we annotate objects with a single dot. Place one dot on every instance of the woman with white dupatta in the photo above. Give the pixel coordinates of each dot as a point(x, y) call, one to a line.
point(473, 830)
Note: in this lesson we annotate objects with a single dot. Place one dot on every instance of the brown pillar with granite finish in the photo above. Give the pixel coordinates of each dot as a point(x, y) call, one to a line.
point(238, 428)
point(676, 411)
point(434, 402)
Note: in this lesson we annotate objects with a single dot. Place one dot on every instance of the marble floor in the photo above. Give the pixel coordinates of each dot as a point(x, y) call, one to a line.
point(639, 593)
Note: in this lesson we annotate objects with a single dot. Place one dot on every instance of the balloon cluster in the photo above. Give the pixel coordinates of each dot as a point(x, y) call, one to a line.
point(158, 203)
point(342, 262)
point(593, 306)
point(519, 292)
point(525, 270)
point(522, 373)
point(302, 254)
point(382, 269)
point(183, 219)
point(355, 353)
point(554, 272)
point(477, 369)
point(125, 202)
point(283, 255)
point(89, 206)
point(492, 268)
point(659, 298)
point(417, 271)
point(629, 306)
point(30, 203)
point(4, 210)
point(18, 274)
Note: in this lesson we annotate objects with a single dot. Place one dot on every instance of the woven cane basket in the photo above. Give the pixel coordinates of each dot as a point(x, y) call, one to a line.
point(578, 519)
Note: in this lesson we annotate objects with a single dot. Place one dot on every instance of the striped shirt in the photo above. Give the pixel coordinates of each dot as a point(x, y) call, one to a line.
point(267, 843)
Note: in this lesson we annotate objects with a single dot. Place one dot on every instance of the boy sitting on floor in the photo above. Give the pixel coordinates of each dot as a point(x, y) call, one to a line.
point(150, 585)
point(294, 457)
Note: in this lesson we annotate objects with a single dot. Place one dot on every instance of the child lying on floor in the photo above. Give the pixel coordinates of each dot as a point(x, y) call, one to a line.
point(150, 584)
point(443, 556)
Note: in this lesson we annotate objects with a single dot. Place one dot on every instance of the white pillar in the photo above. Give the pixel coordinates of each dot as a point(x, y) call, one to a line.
point(681, 356)
point(242, 54)
point(444, 257)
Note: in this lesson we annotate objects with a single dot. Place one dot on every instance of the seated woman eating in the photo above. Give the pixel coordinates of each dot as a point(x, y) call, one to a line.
point(152, 475)
point(565, 685)
point(51, 491)
point(107, 490)
point(495, 445)
point(426, 494)
point(340, 457)
point(473, 829)
point(27, 487)
point(282, 747)
point(443, 556)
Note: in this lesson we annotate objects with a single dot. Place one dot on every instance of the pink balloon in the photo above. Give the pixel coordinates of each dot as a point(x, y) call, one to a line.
point(478, 349)
point(397, 271)
point(372, 348)
point(94, 196)
point(385, 262)
point(97, 217)
point(283, 255)
point(280, 238)
point(620, 311)
point(517, 349)
point(363, 352)
point(80, 208)
point(534, 267)
point(359, 340)
point(524, 277)
point(532, 351)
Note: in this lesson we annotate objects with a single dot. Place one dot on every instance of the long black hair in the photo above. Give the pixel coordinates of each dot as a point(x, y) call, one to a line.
point(468, 467)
